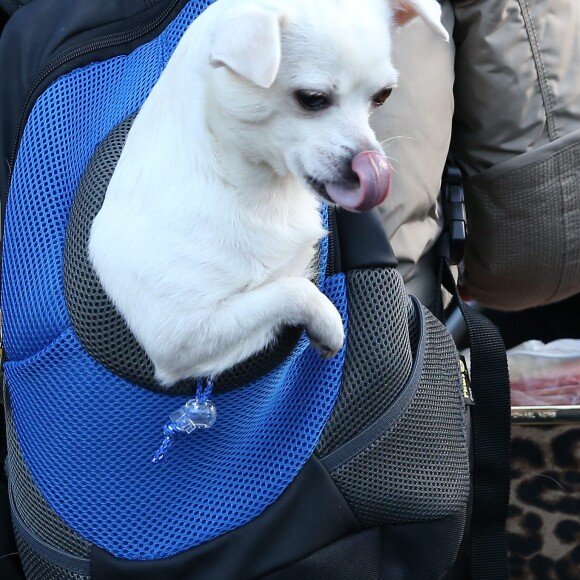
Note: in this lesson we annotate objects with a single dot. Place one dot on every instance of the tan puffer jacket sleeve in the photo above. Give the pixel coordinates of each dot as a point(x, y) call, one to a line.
point(516, 137)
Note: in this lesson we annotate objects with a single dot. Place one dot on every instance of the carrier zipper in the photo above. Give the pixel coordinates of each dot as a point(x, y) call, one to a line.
point(331, 242)
point(82, 49)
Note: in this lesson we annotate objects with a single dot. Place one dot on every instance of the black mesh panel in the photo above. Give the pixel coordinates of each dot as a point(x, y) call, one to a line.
point(379, 357)
point(38, 568)
point(419, 469)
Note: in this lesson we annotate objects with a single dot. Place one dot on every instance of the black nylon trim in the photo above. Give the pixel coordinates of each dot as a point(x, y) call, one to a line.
point(310, 514)
point(11, 6)
point(420, 551)
point(363, 241)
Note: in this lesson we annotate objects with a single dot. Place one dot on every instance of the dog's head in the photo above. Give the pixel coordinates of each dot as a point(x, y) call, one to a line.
point(294, 83)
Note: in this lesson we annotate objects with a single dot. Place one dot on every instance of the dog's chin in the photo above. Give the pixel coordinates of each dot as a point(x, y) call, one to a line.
point(319, 189)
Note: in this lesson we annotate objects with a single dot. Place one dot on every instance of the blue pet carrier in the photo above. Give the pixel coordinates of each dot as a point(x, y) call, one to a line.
point(355, 467)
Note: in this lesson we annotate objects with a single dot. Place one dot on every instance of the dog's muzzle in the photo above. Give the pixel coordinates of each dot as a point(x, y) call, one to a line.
point(374, 177)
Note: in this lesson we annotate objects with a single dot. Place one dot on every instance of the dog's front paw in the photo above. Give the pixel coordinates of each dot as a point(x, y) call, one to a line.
point(325, 330)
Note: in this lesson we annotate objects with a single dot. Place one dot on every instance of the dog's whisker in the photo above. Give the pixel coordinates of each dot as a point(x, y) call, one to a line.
point(393, 162)
point(396, 138)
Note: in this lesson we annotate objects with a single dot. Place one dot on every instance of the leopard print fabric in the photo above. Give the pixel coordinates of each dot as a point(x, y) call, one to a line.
point(543, 527)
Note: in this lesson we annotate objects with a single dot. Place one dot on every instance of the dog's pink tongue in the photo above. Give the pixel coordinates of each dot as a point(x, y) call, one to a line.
point(374, 174)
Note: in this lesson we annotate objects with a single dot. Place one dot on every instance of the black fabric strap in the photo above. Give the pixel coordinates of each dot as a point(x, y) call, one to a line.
point(362, 241)
point(491, 440)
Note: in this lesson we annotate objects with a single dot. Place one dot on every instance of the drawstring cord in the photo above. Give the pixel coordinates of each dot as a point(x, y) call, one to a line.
point(197, 413)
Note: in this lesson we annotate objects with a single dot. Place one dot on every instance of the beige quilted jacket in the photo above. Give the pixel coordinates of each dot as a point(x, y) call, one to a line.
point(514, 70)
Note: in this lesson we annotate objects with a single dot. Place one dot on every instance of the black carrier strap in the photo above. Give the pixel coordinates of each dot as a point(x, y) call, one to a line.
point(358, 240)
point(491, 434)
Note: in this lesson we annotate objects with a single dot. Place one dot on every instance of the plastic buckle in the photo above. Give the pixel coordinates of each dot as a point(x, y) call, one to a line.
point(454, 236)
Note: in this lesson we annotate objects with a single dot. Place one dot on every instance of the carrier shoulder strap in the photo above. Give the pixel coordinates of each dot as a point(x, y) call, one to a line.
point(491, 435)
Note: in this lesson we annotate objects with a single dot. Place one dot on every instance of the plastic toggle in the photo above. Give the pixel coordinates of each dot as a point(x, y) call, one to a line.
point(197, 413)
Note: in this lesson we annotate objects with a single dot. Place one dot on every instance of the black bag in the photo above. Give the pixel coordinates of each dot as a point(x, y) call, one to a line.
point(358, 467)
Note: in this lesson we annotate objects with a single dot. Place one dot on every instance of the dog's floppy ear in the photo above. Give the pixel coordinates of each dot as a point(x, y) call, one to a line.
point(428, 10)
point(249, 44)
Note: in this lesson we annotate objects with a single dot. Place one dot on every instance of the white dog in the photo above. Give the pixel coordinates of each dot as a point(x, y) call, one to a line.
point(207, 232)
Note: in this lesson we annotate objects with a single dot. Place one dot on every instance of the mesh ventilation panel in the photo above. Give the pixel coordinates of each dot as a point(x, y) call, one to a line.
point(35, 512)
point(379, 354)
point(66, 124)
point(88, 439)
point(419, 468)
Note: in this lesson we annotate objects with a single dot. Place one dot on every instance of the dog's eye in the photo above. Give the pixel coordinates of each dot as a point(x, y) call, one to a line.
point(312, 100)
point(380, 97)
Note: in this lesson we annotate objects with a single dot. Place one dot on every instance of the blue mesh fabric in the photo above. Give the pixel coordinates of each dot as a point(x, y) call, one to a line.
point(66, 124)
point(87, 435)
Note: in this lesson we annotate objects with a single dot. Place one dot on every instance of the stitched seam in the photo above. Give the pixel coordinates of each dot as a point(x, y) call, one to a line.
point(567, 253)
point(540, 68)
point(564, 251)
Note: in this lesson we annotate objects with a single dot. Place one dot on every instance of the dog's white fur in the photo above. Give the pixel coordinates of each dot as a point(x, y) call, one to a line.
point(207, 232)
